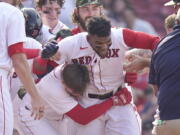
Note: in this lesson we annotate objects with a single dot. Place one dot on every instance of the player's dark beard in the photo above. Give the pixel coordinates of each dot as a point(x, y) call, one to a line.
point(82, 23)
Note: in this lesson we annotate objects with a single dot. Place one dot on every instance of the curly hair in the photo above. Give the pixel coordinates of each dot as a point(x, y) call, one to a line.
point(99, 26)
point(40, 3)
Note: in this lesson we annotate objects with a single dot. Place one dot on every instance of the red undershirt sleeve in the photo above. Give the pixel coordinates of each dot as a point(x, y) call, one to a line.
point(142, 40)
point(52, 63)
point(85, 115)
point(39, 66)
point(31, 53)
point(15, 48)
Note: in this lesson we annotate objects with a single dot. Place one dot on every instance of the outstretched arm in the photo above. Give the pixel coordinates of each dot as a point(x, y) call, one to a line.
point(141, 40)
point(85, 115)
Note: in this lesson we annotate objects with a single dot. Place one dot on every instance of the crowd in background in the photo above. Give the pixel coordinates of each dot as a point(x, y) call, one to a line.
point(140, 15)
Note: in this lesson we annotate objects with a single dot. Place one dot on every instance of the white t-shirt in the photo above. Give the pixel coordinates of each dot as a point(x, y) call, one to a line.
point(12, 31)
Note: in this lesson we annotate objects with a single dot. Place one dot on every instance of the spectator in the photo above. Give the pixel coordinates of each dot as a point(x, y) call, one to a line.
point(169, 23)
point(137, 24)
point(117, 9)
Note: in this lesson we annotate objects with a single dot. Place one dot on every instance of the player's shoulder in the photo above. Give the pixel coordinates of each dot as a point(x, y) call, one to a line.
point(115, 30)
point(116, 33)
point(75, 40)
point(8, 9)
point(53, 79)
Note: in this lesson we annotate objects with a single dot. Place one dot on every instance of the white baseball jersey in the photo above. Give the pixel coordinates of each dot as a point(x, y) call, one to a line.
point(9, 34)
point(12, 31)
point(53, 92)
point(106, 74)
point(47, 33)
point(57, 103)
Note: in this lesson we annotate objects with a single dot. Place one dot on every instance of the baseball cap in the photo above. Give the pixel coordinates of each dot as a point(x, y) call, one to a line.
point(172, 2)
point(81, 3)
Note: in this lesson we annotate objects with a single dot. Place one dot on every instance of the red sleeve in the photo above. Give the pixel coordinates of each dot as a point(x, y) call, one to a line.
point(139, 39)
point(39, 66)
point(85, 115)
point(31, 53)
point(52, 63)
point(15, 48)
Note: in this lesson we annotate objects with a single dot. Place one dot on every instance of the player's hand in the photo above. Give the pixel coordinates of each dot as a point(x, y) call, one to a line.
point(122, 97)
point(50, 49)
point(130, 78)
point(136, 63)
point(37, 107)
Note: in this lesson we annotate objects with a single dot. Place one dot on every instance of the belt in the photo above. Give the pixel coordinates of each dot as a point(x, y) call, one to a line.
point(103, 96)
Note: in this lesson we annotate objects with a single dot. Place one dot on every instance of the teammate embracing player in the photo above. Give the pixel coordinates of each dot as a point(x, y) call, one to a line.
point(102, 50)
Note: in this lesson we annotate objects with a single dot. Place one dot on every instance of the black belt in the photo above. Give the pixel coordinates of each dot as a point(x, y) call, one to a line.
point(104, 96)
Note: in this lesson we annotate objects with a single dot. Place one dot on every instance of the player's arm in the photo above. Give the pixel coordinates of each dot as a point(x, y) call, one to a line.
point(85, 115)
point(42, 66)
point(141, 40)
point(23, 71)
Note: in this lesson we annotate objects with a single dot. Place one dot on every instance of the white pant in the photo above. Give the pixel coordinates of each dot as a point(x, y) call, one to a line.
point(26, 124)
point(119, 120)
point(6, 112)
point(122, 120)
point(70, 127)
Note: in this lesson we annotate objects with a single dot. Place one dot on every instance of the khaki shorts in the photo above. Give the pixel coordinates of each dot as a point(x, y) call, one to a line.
point(168, 127)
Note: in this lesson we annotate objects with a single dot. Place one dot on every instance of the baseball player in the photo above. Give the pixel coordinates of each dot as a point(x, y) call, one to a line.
point(60, 89)
point(12, 38)
point(49, 11)
point(102, 49)
point(33, 21)
point(85, 9)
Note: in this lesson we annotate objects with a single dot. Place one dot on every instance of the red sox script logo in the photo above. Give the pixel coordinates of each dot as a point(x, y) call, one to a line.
point(112, 53)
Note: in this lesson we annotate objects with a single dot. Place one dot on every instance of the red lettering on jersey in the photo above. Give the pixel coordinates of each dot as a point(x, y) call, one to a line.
point(112, 53)
point(81, 60)
point(14, 75)
point(75, 61)
point(88, 59)
point(115, 52)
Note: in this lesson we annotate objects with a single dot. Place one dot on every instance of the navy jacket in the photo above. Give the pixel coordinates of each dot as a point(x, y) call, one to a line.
point(165, 73)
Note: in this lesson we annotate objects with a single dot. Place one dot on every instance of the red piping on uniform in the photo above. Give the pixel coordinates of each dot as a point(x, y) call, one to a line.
point(25, 123)
point(3, 105)
point(136, 113)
